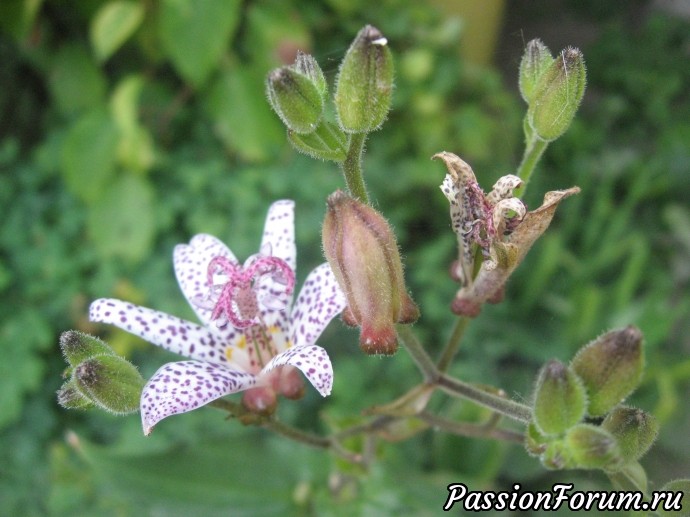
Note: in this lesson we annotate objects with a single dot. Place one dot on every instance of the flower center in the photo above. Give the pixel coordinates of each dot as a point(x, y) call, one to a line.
point(240, 290)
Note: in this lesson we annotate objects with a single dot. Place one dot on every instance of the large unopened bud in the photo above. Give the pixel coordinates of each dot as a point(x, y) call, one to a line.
point(557, 95)
point(363, 254)
point(535, 61)
point(611, 368)
point(365, 83)
point(109, 382)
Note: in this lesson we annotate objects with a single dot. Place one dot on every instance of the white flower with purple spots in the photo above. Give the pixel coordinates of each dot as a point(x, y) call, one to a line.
point(252, 337)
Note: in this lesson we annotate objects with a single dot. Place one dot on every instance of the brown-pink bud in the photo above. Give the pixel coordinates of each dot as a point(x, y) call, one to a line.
point(363, 254)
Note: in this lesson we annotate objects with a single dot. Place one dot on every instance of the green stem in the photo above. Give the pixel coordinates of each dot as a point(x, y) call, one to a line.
point(504, 406)
point(239, 411)
point(352, 167)
point(535, 148)
point(296, 434)
point(472, 430)
point(453, 343)
point(419, 356)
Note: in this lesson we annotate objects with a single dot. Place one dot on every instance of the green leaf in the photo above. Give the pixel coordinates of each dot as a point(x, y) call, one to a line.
point(112, 25)
point(24, 335)
point(122, 223)
point(136, 148)
point(88, 155)
point(76, 83)
point(195, 34)
point(243, 119)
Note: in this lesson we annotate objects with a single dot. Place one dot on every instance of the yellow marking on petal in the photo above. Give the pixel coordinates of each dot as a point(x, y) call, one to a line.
point(228, 353)
point(275, 330)
point(242, 342)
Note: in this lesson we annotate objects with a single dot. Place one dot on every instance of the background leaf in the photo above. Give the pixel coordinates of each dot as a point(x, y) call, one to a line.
point(122, 223)
point(195, 34)
point(89, 153)
point(113, 24)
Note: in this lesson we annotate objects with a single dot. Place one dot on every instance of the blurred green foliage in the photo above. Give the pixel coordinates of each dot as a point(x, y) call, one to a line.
point(129, 126)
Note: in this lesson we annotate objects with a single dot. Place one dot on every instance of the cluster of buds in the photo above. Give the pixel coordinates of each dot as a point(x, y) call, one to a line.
point(362, 98)
point(97, 376)
point(552, 88)
point(363, 254)
point(569, 399)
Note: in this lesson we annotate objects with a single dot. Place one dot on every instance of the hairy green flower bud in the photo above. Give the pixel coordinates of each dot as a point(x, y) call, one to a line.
point(560, 400)
point(363, 254)
point(634, 429)
point(680, 488)
point(296, 97)
point(365, 83)
point(536, 59)
point(306, 65)
point(556, 456)
point(557, 95)
point(70, 397)
point(611, 368)
point(110, 382)
point(77, 347)
point(591, 447)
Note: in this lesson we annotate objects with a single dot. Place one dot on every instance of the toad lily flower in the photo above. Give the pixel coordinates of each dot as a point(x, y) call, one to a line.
point(252, 337)
point(495, 231)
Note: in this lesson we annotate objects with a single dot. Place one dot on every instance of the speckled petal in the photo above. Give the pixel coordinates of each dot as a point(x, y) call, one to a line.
point(279, 232)
point(319, 301)
point(191, 266)
point(312, 360)
point(172, 333)
point(180, 387)
point(279, 240)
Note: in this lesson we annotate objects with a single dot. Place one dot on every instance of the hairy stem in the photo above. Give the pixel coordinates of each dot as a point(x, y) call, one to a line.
point(352, 167)
point(418, 354)
point(453, 343)
point(510, 408)
point(471, 430)
point(533, 151)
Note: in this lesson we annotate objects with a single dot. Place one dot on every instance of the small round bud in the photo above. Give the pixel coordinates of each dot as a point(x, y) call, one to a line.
point(291, 383)
point(681, 507)
point(261, 400)
point(611, 368)
point(365, 83)
point(77, 347)
point(70, 397)
point(560, 400)
point(592, 447)
point(306, 65)
point(634, 429)
point(295, 98)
